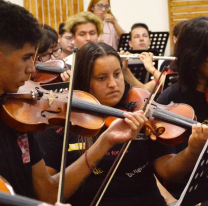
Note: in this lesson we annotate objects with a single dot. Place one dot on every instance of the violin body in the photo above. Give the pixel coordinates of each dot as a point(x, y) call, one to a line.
point(50, 76)
point(173, 134)
point(5, 186)
point(26, 114)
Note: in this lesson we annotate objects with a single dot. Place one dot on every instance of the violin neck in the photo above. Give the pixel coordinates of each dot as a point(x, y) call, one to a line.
point(97, 108)
point(173, 118)
point(48, 68)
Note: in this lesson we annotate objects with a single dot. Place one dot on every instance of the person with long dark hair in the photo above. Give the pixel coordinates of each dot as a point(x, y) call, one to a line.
point(191, 50)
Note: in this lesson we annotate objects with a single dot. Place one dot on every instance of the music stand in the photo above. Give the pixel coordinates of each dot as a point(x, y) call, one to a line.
point(139, 71)
point(56, 86)
point(158, 42)
point(170, 79)
point(197, 187)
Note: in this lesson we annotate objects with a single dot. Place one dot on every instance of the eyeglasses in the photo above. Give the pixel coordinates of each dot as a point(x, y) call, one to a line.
point(47, 56)
point(101, 6)
point(68, 39)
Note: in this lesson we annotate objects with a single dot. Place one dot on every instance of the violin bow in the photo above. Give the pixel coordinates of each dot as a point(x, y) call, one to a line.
point(66, 132)
point(124, 148)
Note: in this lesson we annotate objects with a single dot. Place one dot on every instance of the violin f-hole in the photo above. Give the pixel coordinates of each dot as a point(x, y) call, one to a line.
point(50, 111)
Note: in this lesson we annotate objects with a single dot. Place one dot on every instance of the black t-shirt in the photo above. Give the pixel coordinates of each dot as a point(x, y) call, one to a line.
point(133, 183)
point(198, 102)
point(18, 153)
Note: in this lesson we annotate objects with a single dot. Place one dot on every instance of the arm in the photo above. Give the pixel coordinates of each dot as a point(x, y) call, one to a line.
point(175, 166)
point(133, 81)
point(120, 131)
point(166, 195)
point(110, 18)
point(146, 58)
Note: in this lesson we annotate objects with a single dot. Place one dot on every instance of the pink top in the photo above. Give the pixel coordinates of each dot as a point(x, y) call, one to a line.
point(109, 35)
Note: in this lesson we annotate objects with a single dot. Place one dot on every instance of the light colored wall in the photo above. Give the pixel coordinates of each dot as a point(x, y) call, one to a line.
point(19, 2)
point(152, 12)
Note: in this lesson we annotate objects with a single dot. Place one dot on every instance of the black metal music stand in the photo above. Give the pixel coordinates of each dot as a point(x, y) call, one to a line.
point(158, 42)
point(139, 71)
point(56, 86)
point(170, 79)
point(196, 190)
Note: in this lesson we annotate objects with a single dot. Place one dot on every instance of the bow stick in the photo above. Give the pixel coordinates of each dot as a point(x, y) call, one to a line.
point(66, 132)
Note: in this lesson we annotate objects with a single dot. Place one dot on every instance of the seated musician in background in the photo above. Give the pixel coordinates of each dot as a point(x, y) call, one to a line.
point(140, 36)
point(66, 42)
point(85, 27)
point(176, 30)
point(21, 160)
point(192, 67)
point(111, 29)
point(140, 40)
point(48, 48)
point(100, 74)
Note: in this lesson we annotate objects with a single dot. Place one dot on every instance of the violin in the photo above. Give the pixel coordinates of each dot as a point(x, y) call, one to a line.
point(177, 119)
point(49, 72)
point(33, 108)
point(5, 186)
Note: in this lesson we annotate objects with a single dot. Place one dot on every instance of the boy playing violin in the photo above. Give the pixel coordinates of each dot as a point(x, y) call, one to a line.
point(21, 160)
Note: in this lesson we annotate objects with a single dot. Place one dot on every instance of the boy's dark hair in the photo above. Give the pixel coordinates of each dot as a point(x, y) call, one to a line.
point(61, 29)
point(191, 50)
point(139, 25)
point(17, 26)
point(84, 66)
point(49, 38)
point(177, 28)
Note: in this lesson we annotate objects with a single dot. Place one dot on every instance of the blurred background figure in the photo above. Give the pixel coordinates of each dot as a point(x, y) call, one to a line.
point(139, 37)
point(112, 30)
point(66, 41)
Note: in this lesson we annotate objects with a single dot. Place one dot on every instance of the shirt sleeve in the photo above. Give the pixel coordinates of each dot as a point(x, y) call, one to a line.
point(36, 153)
point(51, 142)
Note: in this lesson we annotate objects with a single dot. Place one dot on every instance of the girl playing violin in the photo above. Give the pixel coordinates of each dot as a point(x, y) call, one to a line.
point(98, 71)
point(191, 49)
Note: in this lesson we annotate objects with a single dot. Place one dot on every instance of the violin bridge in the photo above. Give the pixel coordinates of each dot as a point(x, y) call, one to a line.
point(51, 97)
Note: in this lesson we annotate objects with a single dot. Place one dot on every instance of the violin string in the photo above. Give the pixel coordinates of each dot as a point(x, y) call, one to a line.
point(98, 108)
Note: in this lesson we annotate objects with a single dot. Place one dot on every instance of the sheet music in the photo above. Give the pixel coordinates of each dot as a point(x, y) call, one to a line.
point(197, 174)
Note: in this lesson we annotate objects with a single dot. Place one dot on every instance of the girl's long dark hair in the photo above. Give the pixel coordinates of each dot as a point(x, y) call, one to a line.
point(86, 57)
point(191, 49)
